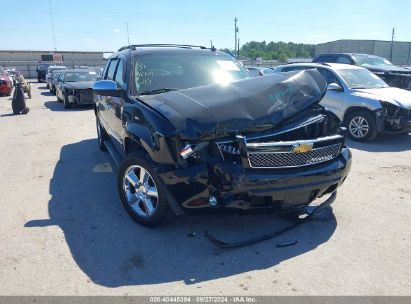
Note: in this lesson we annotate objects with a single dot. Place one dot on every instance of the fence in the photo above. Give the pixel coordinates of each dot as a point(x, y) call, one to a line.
point(28, 68)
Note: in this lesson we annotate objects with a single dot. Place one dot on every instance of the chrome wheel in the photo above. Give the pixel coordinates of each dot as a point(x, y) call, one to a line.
point(359, 127)
point(140, 191)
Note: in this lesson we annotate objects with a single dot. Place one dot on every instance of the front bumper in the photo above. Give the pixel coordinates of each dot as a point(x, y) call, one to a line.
point(233, 186)
point(81, 97)
point(399, 124)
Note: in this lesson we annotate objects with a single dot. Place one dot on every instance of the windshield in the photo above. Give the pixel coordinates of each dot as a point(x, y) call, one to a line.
point(361, 79)
point(371, 60)
point(173, 71)
point(81, 76)
point(56, 75)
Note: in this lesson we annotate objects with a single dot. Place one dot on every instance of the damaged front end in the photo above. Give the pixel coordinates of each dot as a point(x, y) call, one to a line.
point(259, 144)
point(281, 169)
point(80, 96)
point(396, 119)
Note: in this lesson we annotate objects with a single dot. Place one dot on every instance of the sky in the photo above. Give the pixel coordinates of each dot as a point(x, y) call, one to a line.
point(100, 25)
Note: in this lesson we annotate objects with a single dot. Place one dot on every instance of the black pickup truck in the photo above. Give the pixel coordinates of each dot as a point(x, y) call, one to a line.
point(42, 71)
point(191, 129)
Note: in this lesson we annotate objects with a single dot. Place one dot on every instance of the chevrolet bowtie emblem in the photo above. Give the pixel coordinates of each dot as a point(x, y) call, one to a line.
point(302, 148)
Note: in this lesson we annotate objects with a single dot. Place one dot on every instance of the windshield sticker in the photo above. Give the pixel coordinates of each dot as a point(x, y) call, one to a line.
point(227, 65)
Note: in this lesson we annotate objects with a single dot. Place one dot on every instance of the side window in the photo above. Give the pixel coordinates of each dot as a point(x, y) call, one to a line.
point(329, 76)
point(119, 78)
point(343, 59)
point(111, 69)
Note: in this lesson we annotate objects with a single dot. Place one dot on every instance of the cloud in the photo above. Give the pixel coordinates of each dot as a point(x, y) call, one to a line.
point(116, 31)
point(87, 40)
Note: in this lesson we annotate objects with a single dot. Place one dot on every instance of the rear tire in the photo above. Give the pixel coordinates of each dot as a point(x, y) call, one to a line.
point(141, 191)
point(361, 126)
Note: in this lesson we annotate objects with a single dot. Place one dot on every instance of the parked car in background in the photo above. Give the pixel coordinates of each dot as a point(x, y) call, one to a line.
point(393, 75)
point(5, 83)
point(42, 71)
point(98, 70)
point(12, 76)
point(260, 71)
point(54, 80)
point(214, 137)
point(75, 87)
point(49, 75)
point(365, 103)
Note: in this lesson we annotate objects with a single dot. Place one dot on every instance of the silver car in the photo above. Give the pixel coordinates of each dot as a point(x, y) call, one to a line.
point(364, 102)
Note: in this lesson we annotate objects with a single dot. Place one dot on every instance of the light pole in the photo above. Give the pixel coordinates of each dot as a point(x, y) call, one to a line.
point(52, 27)
point(235, 35)
point(392, 43)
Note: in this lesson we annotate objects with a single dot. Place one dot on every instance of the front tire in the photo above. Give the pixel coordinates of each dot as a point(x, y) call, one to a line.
point(67, 105)
point(361, 126)
point(140, 190)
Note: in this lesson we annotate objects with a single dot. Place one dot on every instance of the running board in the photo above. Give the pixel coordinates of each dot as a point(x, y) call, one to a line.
point(117, 158)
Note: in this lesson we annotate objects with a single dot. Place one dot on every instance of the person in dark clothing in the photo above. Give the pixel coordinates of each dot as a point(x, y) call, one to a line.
point(18, 103)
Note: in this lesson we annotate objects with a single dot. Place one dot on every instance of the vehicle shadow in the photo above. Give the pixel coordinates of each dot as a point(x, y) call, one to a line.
point(47, 94)
point(112, 250)
point(384, 143)
point(41, 88)
point(56, 106)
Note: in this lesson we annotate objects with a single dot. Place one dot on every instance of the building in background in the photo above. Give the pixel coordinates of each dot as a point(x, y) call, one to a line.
point(401, 51)
point(27, 61)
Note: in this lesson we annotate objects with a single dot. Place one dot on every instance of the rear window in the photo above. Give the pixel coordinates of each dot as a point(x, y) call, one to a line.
point(325, 58)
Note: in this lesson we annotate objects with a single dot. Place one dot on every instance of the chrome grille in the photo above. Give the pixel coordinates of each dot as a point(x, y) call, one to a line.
point(291, 159)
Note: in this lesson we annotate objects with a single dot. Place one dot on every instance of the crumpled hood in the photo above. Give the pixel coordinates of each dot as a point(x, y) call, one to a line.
point(241, 106)
point(80, 85)
point(396, 96)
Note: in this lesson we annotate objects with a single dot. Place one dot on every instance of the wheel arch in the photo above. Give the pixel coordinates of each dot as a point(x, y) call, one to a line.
point(354, 109)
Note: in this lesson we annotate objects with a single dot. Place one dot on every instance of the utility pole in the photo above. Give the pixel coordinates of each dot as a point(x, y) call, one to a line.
point(392, 43)
point(128, 34)
point(52, 27)
point(235, 35)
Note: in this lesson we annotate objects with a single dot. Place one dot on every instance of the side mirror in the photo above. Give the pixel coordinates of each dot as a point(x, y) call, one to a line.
point(334, 87)
point(106, 88)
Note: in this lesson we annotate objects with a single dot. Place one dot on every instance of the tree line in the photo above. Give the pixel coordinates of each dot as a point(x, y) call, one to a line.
point(275, 50)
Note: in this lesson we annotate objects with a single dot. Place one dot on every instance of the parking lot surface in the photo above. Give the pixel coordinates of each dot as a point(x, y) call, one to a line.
point(63, 230)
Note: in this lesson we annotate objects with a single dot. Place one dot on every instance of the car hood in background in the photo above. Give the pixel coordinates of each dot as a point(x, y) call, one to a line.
point(396, 96)
point(79, 85)
point(386, 68)
point(241, 106)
